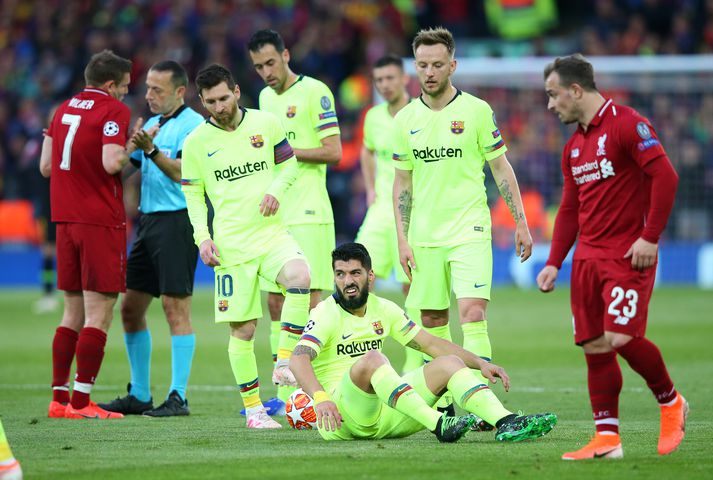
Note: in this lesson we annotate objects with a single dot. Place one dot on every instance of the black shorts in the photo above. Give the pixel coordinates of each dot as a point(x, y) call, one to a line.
point(163, 257)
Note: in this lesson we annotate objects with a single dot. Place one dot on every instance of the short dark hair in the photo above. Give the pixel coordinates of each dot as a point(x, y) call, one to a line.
point(573, 69)
point(266, 37)
point(435, 36)
point(390, 59)
point(213, 75)
point(352, 251)
point(179, 77)
point(105, 66)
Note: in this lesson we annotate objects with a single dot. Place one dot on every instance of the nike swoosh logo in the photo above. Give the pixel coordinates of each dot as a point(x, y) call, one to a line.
point(413, 132)
point(344, 337)
point(210, 154)
point(602, 455)
point(478, 286)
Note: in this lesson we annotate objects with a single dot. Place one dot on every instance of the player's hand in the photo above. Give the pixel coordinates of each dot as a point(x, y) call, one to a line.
point(209, 253)
point(130, 145)
point(546, 278)
point(143, 141)
point(643, 254)
point(153, 131)
point(406, 258)
point(269, 205)
point(328, 416)
point(523, 241)
point(492, 372)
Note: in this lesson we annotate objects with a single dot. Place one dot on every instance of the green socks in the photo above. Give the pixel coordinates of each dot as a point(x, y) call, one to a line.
point(399, 395)
point(476, 340)
point(244, 364)
point(295, 313)
point(475, 396)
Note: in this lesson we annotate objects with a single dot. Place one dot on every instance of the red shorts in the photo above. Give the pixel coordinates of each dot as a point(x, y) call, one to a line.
point(91, 257)
point(609, 295)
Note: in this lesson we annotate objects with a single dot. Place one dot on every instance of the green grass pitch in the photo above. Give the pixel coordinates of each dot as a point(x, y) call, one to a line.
point(531, 336)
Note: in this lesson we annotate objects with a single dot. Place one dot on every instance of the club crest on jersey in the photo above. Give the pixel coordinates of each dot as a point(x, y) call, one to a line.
point(222, 305)
point(257, 141)
point(601, 150)
point(378, 327)
point(575, 153)
point(291, 111)
point(457, 126)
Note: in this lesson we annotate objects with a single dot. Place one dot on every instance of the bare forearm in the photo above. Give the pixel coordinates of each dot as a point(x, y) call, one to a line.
point(301, 367)
point(169, 166)
point(507, 185)
point(368, 168)
point(318, 156)
point(438, 347)
point(403, 201)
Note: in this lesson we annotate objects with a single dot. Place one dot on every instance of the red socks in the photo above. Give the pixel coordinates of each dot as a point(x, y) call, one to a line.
point(63, 348)
point(604, 380)
point(645, 358)
point(90, 353)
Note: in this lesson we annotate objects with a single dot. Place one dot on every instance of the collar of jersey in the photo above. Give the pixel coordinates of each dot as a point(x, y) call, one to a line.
point(242, 109)
point(299, 79)
point(162, 120)
point(603, 111)
point(95, 90)
point(458, 92)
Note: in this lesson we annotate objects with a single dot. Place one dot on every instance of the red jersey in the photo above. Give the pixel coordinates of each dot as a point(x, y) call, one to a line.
point(81, 191)
point(612, 173)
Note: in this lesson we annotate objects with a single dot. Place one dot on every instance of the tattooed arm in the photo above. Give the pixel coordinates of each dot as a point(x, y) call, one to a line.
point(301, 366)
point(507, 184)
point(403, 201)
point(438, 347)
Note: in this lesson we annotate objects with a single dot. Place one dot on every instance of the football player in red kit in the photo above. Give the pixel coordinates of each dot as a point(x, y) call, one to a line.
point(619, 188)
point(83, 153)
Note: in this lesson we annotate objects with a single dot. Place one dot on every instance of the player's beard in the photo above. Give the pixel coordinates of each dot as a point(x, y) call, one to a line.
point(227, 119)
point(441, 87)
point(354, 303)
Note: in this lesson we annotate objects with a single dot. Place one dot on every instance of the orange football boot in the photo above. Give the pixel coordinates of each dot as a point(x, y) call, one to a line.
point(91, 411)
point(673, 425)
point(601, 446)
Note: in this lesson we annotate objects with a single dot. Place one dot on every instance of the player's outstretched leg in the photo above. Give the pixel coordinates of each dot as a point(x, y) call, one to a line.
point(478, 399)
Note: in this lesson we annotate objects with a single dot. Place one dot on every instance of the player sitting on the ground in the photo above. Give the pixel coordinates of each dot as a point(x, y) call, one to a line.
point(356, 391)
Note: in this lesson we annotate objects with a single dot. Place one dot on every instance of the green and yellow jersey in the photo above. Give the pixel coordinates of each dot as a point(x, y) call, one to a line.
point(446, 151)
point(307, 113)
point(340, 338)
point(379, 139)
point(236, 169)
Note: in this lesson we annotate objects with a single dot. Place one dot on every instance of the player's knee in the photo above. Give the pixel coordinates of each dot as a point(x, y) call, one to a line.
point(448, 364)
point(274, 305)
point(434, 318)
point(617, 340)
point(298, 276)
point(597, 345)
point(372, 360)
point(474, 313)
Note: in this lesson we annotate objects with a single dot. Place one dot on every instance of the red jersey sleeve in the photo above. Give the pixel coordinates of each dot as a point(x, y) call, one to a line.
point(116, 124)
point(639, 139)
point(567, 220)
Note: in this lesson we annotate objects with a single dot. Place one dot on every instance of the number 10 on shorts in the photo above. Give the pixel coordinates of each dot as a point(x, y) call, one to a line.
point(224, 285)
point(628, 311)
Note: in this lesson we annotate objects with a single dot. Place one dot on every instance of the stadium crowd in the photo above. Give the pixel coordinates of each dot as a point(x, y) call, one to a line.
point(45, 45)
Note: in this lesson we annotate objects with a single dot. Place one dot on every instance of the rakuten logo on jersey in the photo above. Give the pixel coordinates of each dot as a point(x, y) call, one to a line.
point(233, 173)
point(434, 154)
point(357, 349)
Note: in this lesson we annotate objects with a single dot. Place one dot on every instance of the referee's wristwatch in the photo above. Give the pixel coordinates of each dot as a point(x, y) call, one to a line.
point(153, 153)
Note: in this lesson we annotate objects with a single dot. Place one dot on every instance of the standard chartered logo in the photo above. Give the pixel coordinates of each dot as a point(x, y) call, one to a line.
point(434, 154)
point(236, 172)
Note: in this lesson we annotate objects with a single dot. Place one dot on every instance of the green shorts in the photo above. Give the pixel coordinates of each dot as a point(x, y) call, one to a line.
point(365, 416)
point(237, 291)
point(467, 269)
point(317, 242)
point(378, 235)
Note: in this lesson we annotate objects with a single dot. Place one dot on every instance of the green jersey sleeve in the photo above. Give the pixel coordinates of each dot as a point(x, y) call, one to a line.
point(403, 329)
point(193, 188)
point(402, 154)
point(368, 132)
point(323, 111)
point(490, 141)
point(286, 161)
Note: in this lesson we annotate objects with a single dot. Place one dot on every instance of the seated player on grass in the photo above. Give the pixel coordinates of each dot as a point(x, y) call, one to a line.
point(358, 394)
